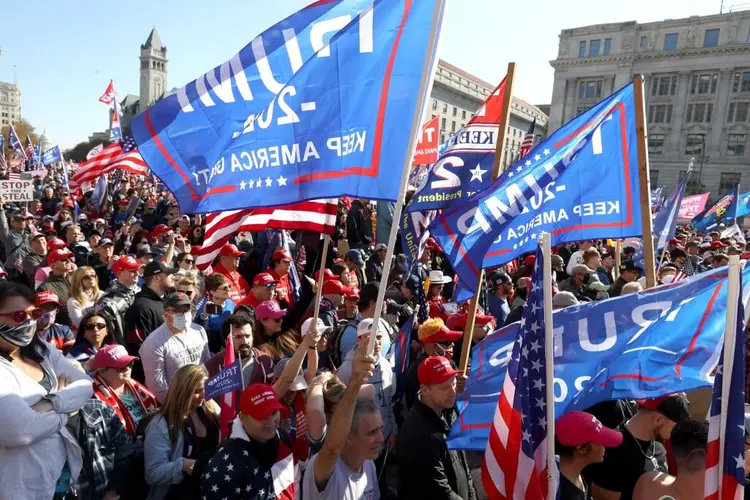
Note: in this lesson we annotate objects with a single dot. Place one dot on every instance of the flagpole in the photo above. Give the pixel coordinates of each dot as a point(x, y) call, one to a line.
point(643, 181)
point(736, 203)
point(496, 166)
point(428, 77)
point(618, 258)
point(730, 337)
point(549, 361)
point(319, 291)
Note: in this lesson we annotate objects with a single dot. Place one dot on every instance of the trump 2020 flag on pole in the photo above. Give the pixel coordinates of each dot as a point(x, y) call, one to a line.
point(229, 401)
point(315, 107)
point(725, 473)
point(51, 156)
point(115, 130)
point(723, 211)
point(402, 353)
point(515, 461)
point(580, 183)
point(15, 143)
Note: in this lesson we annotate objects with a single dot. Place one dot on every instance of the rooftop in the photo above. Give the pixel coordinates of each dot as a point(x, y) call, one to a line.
point(153, 41)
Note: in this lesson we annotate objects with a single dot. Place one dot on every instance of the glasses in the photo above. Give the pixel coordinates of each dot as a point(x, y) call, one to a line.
point(96, 326)
point(21, 316)
point(125, 368)
point(187, 292)
point(445, 345)
point(271, 286)
point(188, 261)
point(89, 277)
point(224, 288)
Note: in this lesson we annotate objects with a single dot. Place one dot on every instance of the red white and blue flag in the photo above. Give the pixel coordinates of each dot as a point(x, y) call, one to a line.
point(109, 95)
point(515, 461)
point(122, 155)
point(3, 164)
point(15, 143)
point(725, 452)
point(528, 141)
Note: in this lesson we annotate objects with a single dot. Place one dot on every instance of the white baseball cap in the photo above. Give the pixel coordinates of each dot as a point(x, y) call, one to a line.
point(307, 325)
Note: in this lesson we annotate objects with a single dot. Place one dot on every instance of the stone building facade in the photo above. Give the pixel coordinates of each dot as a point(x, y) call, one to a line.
point(10, 103)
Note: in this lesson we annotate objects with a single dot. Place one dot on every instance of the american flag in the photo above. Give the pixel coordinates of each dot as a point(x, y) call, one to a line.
point(118, 155)
point(515, 461)
point(315, 215)
point(14, 176)
point(528, 141)
point(727, 469)
point(3, 164)
point(29, 149)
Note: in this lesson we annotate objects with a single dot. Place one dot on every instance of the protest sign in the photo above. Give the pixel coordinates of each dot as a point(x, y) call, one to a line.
point(17, 190)
point(227, 380)
point(427, 147)
point(692, 206)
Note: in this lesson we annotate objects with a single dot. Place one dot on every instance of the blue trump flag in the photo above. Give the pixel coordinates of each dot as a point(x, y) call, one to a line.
point(227, 380)
point(743, 205)
point(402, 354)
point(601, 349)
point(580, 183)
point(51, 156)
point(15, 143)
point(314, 107)
point(723, 211)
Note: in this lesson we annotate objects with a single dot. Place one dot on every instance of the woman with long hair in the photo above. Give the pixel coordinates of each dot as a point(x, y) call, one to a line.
point(268, 336)
point(84, 292)
point(39, 387)
point(184, 431)
point(94, 332)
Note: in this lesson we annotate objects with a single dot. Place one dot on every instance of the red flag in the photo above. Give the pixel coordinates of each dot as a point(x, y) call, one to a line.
point(426, 152)
point(229, 402)
point(108, 97)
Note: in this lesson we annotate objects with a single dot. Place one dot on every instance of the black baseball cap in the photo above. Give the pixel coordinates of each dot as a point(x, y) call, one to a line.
point(412, 283)
point(629, 265)
point(176, 299)
point(144, 250)
point(675, 407)
point(498, 278)
point(157, 268)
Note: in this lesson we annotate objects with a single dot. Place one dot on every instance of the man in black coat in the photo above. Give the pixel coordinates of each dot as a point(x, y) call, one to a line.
point(359, 225)
point(426, 467)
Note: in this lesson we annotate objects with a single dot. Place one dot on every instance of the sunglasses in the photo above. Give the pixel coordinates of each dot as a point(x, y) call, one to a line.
point(87, 277)
point(271, 286)
point(96, 326)
point(125, 368)
point(189, 293)
point(445, 345)
point(189, 261)
point(224, 288)
point(21, 316)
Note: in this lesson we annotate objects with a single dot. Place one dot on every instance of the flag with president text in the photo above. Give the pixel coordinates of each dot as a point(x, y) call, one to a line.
point(324, 104)
point(580, 183)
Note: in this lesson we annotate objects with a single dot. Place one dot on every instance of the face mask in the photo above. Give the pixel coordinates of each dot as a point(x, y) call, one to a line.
point(667, 278)
point(20, 335)
point(180, 321)
point(47, 318)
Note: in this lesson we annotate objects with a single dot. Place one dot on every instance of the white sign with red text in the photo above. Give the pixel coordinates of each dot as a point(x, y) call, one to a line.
point(427, 147)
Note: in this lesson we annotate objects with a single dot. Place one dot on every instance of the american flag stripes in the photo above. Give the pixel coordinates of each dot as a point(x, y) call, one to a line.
point(29, 149)
point(528, 141)
point(725, 472)
point(514, 465)
point(316, 215)
point(119, 155)
point(14, 176)
point(3, 164)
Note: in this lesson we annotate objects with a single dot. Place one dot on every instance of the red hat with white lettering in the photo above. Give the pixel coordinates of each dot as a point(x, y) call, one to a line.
point(435, 370)
point(264, 279)
point(259, 401)
point(58, 255)
point(335, 287)
point(126, 263)
point(577, 428)
point(230, 250)
point(112, 356)
point(47, 297)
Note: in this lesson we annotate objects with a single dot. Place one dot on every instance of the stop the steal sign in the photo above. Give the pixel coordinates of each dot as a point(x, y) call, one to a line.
point(427, 147)
point(17, 190)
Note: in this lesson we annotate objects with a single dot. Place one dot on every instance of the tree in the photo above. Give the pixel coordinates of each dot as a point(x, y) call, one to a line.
point(79, 152)
point(23, 128)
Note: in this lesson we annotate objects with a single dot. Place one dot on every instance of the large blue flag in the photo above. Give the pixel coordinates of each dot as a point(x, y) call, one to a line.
point(723, 211)
point(580, 183)
point(321, 105)
point(51, 156)
point(15, 142)
point(402, 354)
point(743, 204)
point(601, 349)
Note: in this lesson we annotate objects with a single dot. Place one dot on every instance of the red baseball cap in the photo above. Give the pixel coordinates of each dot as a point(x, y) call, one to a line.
point(47, 297)
point(431, 244)
point(126, 263)
point(457, 321)
point(335, 287)
point(327, 275)
point(435, 370)
point(269, 310)
point(259, 401)
point(59, 254)
point(529, 261)
point(281, 254)
point(68, 204)
point(160, 229)
point(113, 356)
point(55, 244)
point(264, 279)
point(577, 428)
point(353, 294)
point(230, 250)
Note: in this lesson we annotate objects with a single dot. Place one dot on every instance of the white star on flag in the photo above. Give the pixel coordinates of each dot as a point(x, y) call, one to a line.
point(242, 185)
point(537, 157)
point(269, 182)
point(477, 173)
point(281, 180)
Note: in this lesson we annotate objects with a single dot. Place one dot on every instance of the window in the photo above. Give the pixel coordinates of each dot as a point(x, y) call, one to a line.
point(455, 111)
point(442, 124)
point(434, 104)
point(643, 42)
point(670, 42)
point(453, 126)
point(728, 181)
point(692, 184)
point(655, 147)
point(738, 112)
point(582, 48)
point(594, 47)
point(711, 38)
point(590, 89)
point(660, 113)
point(653, 176)
point(463, 114)
point(694, 144)
point(704, 83)
point(664, 85)
point(736, 144)
point(445, 108)
point(582, 109)
point(607, 46)
point(442, 138)
point(699, 112)
point(741, 82)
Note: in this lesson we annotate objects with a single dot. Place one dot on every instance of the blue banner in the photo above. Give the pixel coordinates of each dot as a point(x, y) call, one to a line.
point(51, 156)
point(743, 205)
point(227, 380)
point(318, 106)
point(402, 354)
point(414, 233)
point(723, 211)
point(15, 142)
point(601, 349)
point(100, 192)
point(580, 183)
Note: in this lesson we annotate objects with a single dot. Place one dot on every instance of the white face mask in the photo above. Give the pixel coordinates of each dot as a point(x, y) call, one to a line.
point(180, 321)
point(667, 278)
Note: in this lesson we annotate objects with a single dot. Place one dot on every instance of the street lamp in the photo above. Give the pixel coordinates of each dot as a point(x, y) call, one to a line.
point(703, 159)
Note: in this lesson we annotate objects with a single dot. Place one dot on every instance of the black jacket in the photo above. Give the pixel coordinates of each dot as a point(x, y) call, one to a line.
point(373, 269)
point(61, 287)
point(143, 317)
point(358, 226)
point(426, 467)
point(102, 271)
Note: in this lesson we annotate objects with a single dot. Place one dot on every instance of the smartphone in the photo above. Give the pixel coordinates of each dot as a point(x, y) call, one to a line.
point(212, 308)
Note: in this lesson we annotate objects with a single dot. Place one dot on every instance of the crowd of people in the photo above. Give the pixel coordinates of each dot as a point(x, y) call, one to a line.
point(109, 332)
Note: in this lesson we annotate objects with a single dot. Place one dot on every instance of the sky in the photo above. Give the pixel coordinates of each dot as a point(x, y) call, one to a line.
point(64, 64)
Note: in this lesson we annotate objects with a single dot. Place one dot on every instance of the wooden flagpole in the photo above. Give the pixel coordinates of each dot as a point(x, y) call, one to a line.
point(618, 258)
point(321, 272)
point(644, 182)
point(496, 166)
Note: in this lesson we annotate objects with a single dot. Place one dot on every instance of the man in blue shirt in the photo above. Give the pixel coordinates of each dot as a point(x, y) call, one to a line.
point(501, 288)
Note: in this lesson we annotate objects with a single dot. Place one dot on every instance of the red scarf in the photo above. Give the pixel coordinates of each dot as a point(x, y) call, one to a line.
point(145, 397)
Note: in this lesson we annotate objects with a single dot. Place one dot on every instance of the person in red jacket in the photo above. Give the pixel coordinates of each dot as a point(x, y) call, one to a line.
point(229, 261)
point(264, 288)
point(280, 264)
point(435, 300)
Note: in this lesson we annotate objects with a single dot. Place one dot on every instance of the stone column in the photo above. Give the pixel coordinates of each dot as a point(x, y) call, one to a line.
point(678, 114)
point(569, 111)
point(557, 108)
point(721, 107)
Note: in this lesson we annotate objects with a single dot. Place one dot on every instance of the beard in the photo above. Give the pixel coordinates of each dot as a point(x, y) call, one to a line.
point(245, 351)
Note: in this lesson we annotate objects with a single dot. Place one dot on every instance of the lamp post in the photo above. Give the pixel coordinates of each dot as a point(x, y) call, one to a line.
point(703, 159)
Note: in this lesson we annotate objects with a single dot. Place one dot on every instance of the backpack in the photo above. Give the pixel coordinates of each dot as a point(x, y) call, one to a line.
point(334, 340)
point(137, 488)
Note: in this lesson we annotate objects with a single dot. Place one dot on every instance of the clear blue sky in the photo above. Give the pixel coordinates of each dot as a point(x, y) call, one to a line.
point(67, 51)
